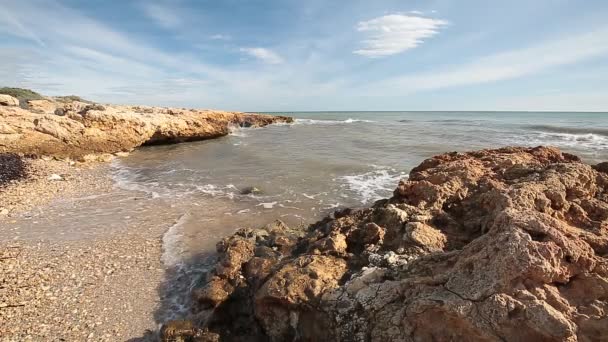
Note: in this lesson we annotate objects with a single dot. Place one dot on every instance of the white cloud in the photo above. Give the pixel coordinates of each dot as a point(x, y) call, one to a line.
point(165, 16)
point(220, 37)
point(264, 55)
point(395, 33)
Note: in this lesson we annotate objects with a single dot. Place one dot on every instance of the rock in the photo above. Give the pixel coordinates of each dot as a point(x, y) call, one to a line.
point(178, 331)
point(55, 177)
point(250, 190)
point(45, 106)
point(6, 129)
point(7, 100)
point(102, 157)
point(121, 154)
point(74, 129)
point(3, 211)
point(602, 167)
point(492, 245)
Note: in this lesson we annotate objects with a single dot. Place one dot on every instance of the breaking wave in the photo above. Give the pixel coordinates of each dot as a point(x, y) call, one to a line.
point(569, 130)
point(329, 122)
point(373, 185)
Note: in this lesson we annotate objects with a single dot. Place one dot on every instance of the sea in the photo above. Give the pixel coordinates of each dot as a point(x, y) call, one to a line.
point(301, 172)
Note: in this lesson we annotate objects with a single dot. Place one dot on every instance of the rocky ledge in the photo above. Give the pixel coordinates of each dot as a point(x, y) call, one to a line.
point(62, 127)
point(494, 245)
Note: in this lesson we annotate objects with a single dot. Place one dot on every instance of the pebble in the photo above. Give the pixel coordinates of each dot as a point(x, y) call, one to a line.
point(49, 292)
point(55, 177)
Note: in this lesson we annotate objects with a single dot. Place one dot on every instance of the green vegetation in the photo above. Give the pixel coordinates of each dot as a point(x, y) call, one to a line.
point(23, 95)
point(71, 98)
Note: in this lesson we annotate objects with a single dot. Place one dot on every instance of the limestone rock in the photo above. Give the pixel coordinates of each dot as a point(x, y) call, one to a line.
point(45, 106)
point(75, 129)
point(7, 100)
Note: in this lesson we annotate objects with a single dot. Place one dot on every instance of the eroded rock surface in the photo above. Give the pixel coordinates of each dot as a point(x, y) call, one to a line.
point(494, 245)
point(76, 129)
point(7, 100)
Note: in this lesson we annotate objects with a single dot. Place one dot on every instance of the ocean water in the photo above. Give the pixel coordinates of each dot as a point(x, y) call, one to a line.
point(326, 161)
point(304, 170)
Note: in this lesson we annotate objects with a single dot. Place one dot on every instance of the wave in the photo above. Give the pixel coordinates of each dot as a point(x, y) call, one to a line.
point(329, 122)
point(237, 131)
point(182, 275)
point(373, 185)
point(588, 141)
point(569, 130)
point(267, 205)
point(228, 191)
point(172, 242)
point(124, 178)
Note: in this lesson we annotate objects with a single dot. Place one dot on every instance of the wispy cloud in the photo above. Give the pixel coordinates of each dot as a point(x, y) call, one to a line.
point(506, 65)
point(162, 14)
point(265, 55)
point(396, 33)
point(220, 37)
point(11, 25)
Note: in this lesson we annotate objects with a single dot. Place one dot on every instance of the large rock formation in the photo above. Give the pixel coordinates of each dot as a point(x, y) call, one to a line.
point(75, 129)
point(495, 245)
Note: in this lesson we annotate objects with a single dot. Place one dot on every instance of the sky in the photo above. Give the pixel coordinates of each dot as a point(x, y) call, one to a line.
point(312, 55)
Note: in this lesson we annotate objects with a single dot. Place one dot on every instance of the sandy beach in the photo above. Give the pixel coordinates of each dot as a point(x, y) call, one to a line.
point(100, 289)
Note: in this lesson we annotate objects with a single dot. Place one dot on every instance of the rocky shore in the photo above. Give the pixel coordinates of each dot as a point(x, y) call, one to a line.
point(493, 245)
point(48, 146)
point(84, 130)
point(95, 289)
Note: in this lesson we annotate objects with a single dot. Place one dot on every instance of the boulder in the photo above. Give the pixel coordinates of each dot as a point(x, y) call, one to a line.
point(494, 245)
point(43, 106)
point(250, 190)
point(7, 100)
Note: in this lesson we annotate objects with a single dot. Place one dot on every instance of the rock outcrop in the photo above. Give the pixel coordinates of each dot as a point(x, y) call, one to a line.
point(75, 129)
point(494, 245)
point(7, 100)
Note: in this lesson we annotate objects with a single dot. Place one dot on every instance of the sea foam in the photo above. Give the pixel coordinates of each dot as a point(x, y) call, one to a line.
point(372, 185)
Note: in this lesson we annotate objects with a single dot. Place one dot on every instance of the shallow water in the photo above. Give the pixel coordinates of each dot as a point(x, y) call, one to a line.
point(305, 170)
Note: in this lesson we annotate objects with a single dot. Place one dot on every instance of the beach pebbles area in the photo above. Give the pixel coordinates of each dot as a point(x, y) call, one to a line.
point(99, 289)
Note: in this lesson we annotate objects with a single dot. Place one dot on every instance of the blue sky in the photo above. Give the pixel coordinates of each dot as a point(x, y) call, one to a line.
point(286, 55)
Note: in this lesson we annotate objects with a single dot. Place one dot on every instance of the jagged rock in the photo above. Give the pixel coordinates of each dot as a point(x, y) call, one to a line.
point(74, 129)
point(493, 245)
point(250, 190)
point(45, 106)
point(7, 100)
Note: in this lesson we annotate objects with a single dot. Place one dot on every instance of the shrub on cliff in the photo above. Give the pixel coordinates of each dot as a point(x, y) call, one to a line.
point(72, 98)
point(23, 95)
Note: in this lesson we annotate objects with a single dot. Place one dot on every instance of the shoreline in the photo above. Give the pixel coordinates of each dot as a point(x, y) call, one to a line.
point(100, 287)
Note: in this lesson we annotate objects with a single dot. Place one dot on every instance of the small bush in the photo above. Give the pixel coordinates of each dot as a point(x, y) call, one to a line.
point(72, 98)
point(23, 95)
